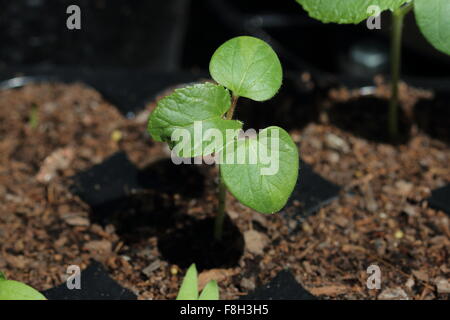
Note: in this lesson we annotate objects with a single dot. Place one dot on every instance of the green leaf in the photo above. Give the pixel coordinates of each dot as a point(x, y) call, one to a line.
point(248, 67)
point(433, 18)
point(15, 290)
point(346, 11)
point(189, 287)
point(266, 173)
point(2, 276)
point(176, 115)
point(210, 292)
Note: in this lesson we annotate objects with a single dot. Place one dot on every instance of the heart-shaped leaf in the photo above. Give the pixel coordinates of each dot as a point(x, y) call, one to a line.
point(15, 290)
point(188, 114)
point(210, 292)
point(261, 172)
point(189, 287)
point(433, 18)
point(248, 67)
point(346, 11)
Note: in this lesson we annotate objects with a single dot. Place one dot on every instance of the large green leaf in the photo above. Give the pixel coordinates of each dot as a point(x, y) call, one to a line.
point(248, 67)
point(263, 183)
point(15, 290)
point(189, 287)
point(433, 18)
point(210, 292)
point(177, 114)
point(346, 11)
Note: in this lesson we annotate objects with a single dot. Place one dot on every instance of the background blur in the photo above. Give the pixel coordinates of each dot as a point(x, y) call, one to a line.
point(167, 35)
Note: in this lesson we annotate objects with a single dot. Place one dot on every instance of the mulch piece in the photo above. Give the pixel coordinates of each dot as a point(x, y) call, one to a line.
point(380, 218)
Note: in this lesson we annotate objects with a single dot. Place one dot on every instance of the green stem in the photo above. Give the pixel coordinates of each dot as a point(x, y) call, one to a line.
point(220, 217)
point(396, 51)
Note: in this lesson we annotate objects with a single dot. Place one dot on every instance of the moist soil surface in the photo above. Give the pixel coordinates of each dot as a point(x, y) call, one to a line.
point(147, 239)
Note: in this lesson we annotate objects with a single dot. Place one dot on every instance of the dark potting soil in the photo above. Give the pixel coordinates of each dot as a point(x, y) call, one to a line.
point(433, 116)
point(381, 216)
point(440, 199)
point(114, 178)
point(311, 193)
point(282, 287)
point(364, 111)
point(95, 284)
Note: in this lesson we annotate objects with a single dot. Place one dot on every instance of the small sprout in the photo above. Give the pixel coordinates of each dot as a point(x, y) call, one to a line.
point(260, 170)
point(432, 17)
point(210, 292)
point(189, 287)
point(15, 290)
point(33, 120)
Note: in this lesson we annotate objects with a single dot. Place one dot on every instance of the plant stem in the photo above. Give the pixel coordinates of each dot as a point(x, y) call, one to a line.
point(230, 112)
point(396, 51)
point(220, 217)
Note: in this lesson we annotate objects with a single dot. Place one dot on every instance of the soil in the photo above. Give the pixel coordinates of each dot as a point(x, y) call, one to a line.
point(51, 132)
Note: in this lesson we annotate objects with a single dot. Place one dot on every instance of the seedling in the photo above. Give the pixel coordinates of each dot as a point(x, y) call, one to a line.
point(431, 16)
point(33, 121)
point(260, 170)
point(15, 290)
point(189, 287)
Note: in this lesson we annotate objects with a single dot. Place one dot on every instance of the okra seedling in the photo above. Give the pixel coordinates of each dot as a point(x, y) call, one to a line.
point(432, 17)
point(189, 287)
point(260, 170)
point(15, 290)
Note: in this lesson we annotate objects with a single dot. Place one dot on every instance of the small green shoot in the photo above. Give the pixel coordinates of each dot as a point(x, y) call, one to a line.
point(15, 290)
point(260, 170)
point(33, 120)
point(189, 287)
point(432, 17)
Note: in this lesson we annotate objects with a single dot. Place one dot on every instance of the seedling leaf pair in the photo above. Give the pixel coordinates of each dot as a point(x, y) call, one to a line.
point(189, 287)
point(242, 67)
point(15, 290)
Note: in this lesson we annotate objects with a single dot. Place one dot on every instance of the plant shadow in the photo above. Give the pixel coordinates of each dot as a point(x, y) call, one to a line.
point(194, 242)
point(156, 206)
point(152, 205)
